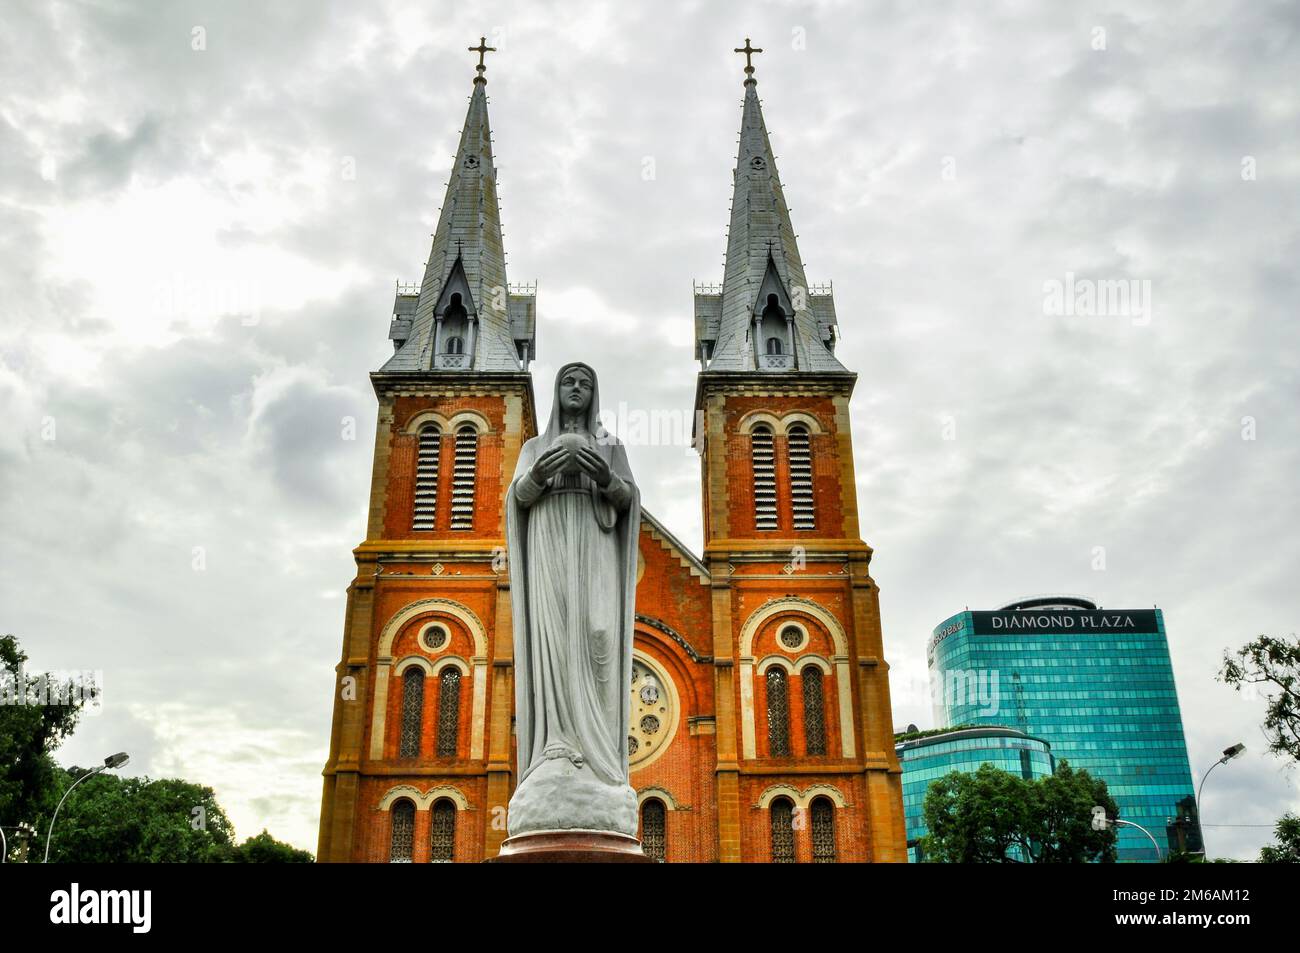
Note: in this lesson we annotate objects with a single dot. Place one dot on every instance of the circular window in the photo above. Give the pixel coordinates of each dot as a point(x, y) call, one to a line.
point(435, 638)
point(654, 713)
point(758, 162)
point(792, 637)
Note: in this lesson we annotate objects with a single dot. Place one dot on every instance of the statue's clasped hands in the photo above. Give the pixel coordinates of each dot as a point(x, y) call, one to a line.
point(556, 459)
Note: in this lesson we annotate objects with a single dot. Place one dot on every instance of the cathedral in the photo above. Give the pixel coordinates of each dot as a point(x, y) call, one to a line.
point(760, 722)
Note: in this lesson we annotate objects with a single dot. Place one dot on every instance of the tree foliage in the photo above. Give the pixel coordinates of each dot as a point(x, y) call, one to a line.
point(1287, 848)
point(108, 819)
point(265, 849)
point(993, 816)
point(37, 713)
point(1273, 663)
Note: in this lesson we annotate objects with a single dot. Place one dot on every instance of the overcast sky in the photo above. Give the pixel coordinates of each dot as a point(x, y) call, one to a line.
point(197, 255)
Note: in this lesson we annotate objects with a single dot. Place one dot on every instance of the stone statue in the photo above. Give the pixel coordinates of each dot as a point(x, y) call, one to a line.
point(573, 514)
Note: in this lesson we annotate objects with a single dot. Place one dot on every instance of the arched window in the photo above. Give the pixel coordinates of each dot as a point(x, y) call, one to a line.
point(814, 711)
point(773, 345)
point(823, 831)
point(801, 481)
point(463, 480)
point(426, 477)
point(412, 712)
point(403, 836)
point(455, 345)
point(764, 464)
point(653, 823)
point(782, 811)
point(442, 834)
point(455, 308)
point(778, 714)
point(448, 711)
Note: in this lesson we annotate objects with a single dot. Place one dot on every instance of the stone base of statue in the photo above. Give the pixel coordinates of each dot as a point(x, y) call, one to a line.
point(558, 795)
point(571, 847)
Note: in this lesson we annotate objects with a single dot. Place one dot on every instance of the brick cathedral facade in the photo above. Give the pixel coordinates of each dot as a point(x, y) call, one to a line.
point(761, 726)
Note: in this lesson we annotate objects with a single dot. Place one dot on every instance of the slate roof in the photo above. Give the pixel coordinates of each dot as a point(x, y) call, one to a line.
point(760, 228)
point(469, 226)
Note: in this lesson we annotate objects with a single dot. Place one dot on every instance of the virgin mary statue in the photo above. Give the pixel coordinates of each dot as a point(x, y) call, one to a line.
point(573, 514)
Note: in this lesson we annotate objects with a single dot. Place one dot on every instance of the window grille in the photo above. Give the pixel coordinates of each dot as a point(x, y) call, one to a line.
point(653, 820)
point(426, 477)
point(448, 712)
point(764, 464)
point(801, 481)
point(403, 836)
point(823, 831)
point(782, 831)
point(412, 711)
point(442, 835)
point(463, 479)
point(814, 711)
point(778, 714)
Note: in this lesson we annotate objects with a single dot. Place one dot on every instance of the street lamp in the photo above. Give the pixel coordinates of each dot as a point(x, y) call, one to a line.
point(1100, 822)
point(1236, 751)
point(112, 761)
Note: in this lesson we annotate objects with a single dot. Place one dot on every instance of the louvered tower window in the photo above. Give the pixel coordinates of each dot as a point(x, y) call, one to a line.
point(426, 477)
point(764, 463)
point(778, 714)
point(801, 481)
point(412, 710)
point(448, 712)
point(814, 707)
point(403, 836)
point(782, 831)
point(823, 831)
point(653, 839)
point(443, 833)
point(462, 484)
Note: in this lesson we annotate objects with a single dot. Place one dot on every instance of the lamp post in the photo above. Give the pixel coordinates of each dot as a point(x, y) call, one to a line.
point(1236, 751)
point(112, 761)
point(1100, 822)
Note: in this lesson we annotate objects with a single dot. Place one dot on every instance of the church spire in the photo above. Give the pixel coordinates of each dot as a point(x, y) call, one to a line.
point(464, 317)
point(765, 317)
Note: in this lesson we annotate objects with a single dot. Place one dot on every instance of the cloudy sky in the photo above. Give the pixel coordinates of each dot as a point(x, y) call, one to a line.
point(204, 206)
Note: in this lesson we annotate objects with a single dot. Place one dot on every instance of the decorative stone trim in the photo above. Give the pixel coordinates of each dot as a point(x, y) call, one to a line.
point(676, 636)
point(423, 801)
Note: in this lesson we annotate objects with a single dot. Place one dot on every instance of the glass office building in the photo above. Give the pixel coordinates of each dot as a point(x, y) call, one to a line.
point(1095, 684)
point(927, 756)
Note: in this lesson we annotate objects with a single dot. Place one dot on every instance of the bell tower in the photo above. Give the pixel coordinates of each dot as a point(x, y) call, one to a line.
point(804, 730)
point(420, 746)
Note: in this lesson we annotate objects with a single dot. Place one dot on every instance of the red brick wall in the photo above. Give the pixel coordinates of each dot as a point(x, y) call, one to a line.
point(740, 472)
point(489, 493)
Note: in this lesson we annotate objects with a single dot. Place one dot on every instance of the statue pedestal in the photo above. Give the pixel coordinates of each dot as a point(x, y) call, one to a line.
point(571, 847)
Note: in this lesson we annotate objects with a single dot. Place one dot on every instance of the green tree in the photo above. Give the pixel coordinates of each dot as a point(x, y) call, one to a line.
point(1287, 848)
point(1276, 663)
point(265, 849)
point(973, 817)
point(1059, 818)
point(37, 712)
point(108, 819)
point(994, 816)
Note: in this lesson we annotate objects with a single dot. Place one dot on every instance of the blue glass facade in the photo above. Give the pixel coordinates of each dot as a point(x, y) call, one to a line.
point(1097, 685)
point(925, 759)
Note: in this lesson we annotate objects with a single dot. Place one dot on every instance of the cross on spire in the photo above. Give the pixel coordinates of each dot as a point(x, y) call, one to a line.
point(482, 49)
point(749, 52)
